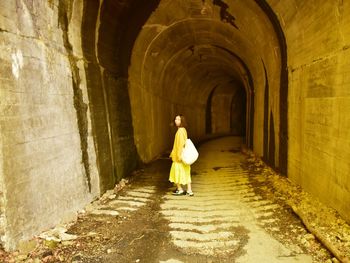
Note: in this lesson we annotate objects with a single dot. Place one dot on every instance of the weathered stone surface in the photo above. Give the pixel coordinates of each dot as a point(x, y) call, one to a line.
point(82, 102)
point(105, 212)
point(42, 172)
point(57, 234)
point(318, 40)
point(27, 246)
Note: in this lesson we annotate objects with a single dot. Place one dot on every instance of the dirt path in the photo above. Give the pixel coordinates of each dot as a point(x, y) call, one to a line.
point(233, 217)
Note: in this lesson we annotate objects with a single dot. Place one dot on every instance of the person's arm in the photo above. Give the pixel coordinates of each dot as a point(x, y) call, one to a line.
point(180, 143)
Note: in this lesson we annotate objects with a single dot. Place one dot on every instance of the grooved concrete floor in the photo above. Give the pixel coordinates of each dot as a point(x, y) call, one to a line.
point(231, 218)
point(225, 216)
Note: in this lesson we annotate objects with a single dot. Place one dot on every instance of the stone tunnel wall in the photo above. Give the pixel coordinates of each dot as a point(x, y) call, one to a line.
point(64, 84)
point(318, 41)
point(47, 152)
point(66, 132)
point(101, 47)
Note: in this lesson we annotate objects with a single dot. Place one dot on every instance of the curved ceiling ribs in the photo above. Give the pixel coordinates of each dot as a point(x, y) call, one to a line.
point(197, 48)
point(187, 48)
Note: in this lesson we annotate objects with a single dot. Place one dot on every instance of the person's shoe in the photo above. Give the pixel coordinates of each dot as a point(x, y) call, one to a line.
point(190, 193)
point(179, 192)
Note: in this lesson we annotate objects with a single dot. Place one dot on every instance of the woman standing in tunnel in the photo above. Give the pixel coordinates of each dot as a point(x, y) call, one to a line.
point(180, 173)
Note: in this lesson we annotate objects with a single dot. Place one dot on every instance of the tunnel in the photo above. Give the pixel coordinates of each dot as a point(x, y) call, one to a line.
point(89, 91)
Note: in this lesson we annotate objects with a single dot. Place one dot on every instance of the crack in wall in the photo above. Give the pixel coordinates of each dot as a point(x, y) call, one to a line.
point(80, 106)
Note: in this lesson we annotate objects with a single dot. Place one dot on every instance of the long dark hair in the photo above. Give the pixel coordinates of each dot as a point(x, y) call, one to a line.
point(183, 120)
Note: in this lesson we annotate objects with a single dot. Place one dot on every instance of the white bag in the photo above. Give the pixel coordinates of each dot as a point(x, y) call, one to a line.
point(189, 153)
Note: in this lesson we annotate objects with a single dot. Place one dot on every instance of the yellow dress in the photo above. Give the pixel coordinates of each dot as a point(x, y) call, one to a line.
point(180, 173)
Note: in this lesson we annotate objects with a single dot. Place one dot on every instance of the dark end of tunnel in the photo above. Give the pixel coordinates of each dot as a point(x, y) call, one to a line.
point(250, 124)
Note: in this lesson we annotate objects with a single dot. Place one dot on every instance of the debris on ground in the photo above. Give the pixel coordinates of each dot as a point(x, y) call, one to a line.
point(58, 234)
point(323, 223)
point(101, 235)
point(123, 182)
point(49, 245)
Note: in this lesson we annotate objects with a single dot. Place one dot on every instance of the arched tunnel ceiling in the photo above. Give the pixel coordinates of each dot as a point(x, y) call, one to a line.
point(197, 34)
point(187, 48)
point(186, 42)
point(207, 66)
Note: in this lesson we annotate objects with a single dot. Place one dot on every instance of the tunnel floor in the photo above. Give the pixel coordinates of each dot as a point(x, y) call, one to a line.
point(234, 216)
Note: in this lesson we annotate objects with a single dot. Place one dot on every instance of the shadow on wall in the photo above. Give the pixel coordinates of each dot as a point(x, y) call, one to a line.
point(239, 113)
point(107, 81)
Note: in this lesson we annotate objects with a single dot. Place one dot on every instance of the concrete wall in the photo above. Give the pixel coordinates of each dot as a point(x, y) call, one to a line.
point(66, 132)
point(44, 179)
point(103, 50)
point(318, 39)
point(76, 116)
